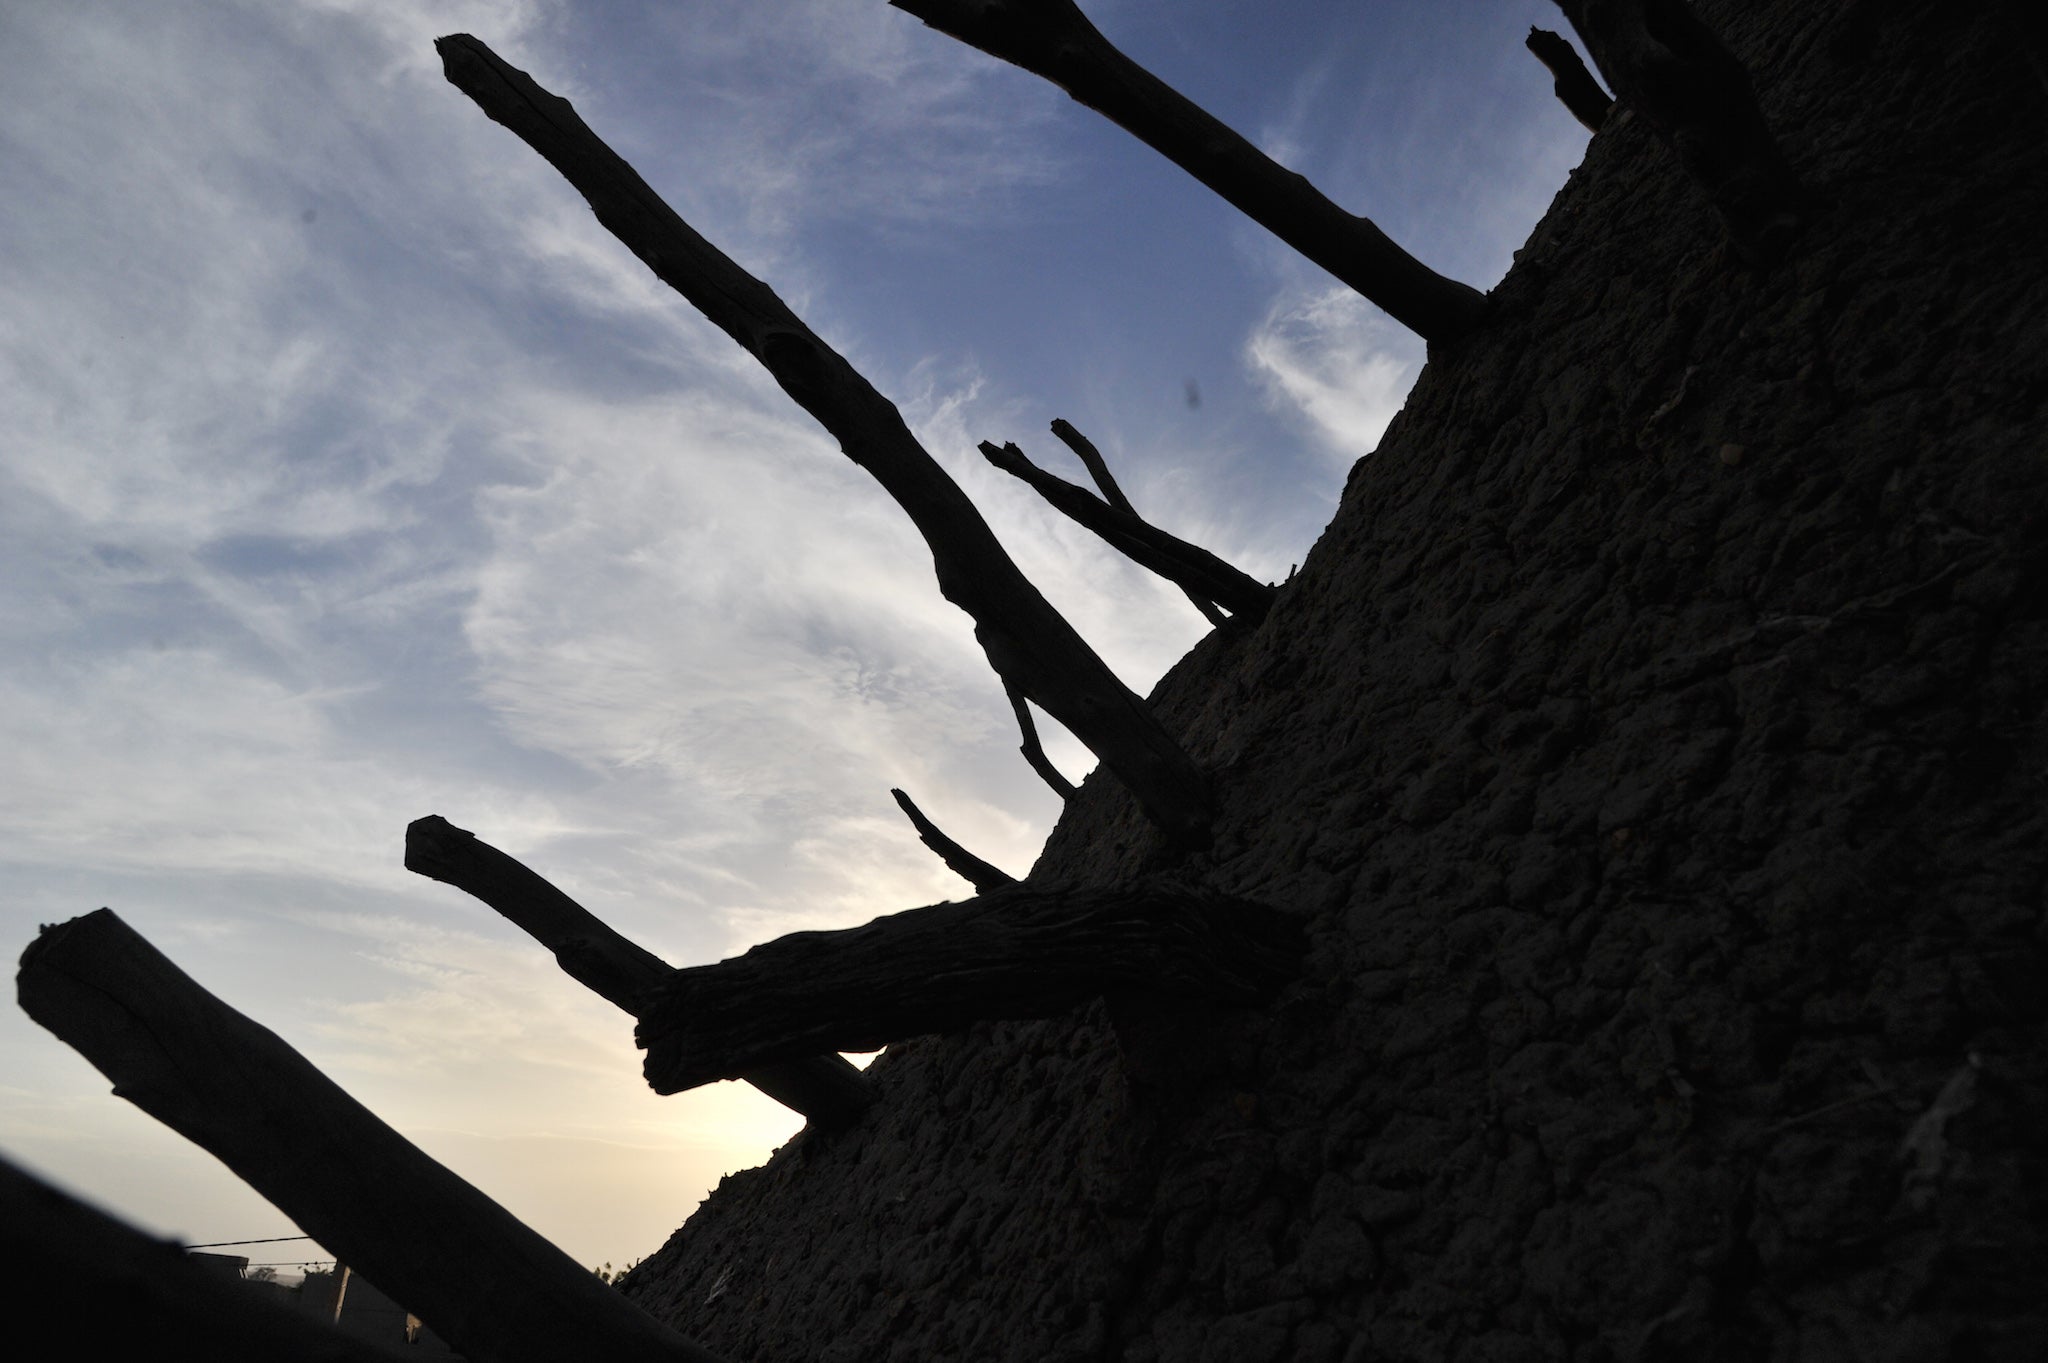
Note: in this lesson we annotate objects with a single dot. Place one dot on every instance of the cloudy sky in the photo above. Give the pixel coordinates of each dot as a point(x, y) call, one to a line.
point(351, 473)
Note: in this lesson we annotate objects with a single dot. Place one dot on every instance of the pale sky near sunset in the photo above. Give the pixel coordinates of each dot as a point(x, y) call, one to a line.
point(351, 473)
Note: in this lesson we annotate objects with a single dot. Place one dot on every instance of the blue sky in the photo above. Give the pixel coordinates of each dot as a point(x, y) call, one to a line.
point(353, 473)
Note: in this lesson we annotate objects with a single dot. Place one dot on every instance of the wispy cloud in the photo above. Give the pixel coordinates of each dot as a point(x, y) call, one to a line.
point(1338, 362)
point(365, 380)
point(355, 473)
point(824, 112)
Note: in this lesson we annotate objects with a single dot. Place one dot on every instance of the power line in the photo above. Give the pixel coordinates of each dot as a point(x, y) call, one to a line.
point(273, 1240)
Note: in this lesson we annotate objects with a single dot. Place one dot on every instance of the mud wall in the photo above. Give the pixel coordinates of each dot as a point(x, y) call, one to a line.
point(1654, 742)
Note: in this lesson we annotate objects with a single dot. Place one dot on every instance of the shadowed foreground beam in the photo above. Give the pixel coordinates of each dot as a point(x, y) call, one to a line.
point(485, 1282)
point(1011, 953)
point(825, 1088)
point(1189, 566)
point(117, 1293)
point(1030, 645)
point(963, 863)
point(1053, 39)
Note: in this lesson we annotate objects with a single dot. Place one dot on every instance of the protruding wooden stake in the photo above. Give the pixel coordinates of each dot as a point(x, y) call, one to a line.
point(1053, 39)
point(825, 1088)
point(1197, 571)
point(1098, 469)
point(1031, 646)
point(965, 864)
point(1034, 751)
point(1571, 81)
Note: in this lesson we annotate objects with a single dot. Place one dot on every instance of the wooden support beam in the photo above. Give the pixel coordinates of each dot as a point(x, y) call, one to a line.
point(111, 1291)
point(1053, 39)
point(1012, 953)
point(491, 1287)
point(825, 1088)
point(1661, 60)
point(1030, 645)
point(1098, 469)
point(1193, 568)
point(976, 872)
point(1572, 83)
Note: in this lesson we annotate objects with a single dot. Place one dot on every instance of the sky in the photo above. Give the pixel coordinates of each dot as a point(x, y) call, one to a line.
point(351, 473)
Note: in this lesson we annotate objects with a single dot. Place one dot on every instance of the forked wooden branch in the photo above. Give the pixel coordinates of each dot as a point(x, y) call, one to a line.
point(1034, 751)
point(825, 1088)
point(1030, 645)
point(1098, 469)
point(1092, 460)
point(485, 1282)
point(976, 872)
point(1011, 953)
point(1053, 39)
point(121, 1294)
point(1570, 80)
point(1662, 61)
point(1193, 568)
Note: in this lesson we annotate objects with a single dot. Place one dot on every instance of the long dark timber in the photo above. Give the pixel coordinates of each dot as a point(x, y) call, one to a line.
point(1098, 469)
point(963, 863)
point(825, 1088)
point(1191, 567)
point(1013, 953)
point(1030, 645)
point(1661, 60)
point(486, 1283)
point(1053, 39)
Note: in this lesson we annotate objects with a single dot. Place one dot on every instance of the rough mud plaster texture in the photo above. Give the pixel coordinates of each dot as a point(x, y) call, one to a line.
point(1654, 744)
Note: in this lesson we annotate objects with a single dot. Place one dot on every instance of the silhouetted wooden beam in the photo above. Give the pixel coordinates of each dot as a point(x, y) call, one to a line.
point(1030, 645)
point(825, 1088)
point(114, 1292)
point(1010, 953)
point(976, 872)
point(487, 1284)
point(1571, 81)
point(1190, 566)
point(1053, 39)
point(1034, 751)
point(1663, 62)
point(1098, 469)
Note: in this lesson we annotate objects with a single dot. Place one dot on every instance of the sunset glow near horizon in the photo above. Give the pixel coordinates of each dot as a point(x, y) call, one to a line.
point(355, 473)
